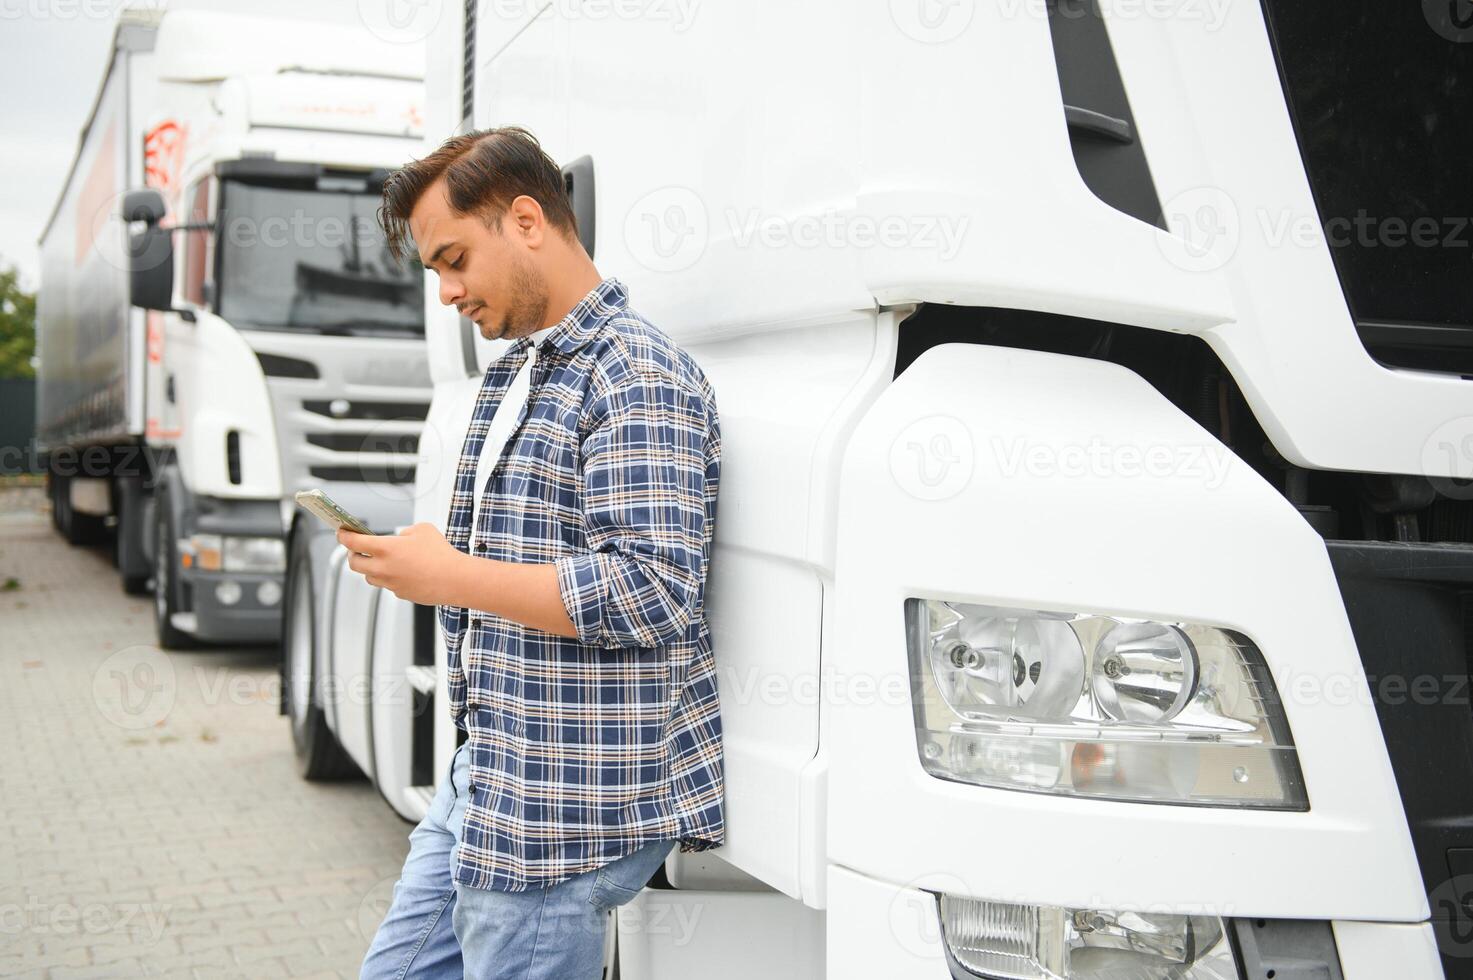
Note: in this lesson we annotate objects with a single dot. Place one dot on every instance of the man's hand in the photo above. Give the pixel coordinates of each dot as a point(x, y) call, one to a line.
point(416, 564)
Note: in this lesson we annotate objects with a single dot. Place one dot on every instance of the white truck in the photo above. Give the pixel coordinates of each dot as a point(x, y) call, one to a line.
point(219, 324)
point(1092, 574)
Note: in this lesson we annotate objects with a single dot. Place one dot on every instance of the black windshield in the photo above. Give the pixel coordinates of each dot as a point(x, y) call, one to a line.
point(312, 259)
point(1381, 95)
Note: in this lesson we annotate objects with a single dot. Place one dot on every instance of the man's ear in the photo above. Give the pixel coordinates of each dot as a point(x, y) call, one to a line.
point(526, 216)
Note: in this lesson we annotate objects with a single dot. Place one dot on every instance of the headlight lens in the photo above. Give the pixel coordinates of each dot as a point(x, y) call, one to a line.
point(1040, 942)
point(255, 554)
point(205, 549)
point(1100, 706)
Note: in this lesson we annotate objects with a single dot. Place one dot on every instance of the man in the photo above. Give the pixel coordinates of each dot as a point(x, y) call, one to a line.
point(570, 584)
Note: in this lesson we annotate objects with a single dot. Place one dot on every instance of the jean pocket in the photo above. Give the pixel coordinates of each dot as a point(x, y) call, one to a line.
point(621, 881)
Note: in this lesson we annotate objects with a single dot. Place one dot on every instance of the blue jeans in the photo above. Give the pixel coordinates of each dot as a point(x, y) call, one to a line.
point(437, 927)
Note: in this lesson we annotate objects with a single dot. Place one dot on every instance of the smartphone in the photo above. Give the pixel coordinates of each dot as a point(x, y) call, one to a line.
point(326, 510)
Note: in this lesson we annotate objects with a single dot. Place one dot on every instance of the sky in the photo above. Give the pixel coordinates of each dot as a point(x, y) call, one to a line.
point(52, 54)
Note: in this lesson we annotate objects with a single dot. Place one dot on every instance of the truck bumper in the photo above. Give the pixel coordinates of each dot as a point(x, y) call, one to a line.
point(878, 929)
point(248, 619)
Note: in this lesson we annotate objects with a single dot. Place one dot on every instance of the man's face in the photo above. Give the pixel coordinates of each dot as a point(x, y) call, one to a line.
point(491, 275)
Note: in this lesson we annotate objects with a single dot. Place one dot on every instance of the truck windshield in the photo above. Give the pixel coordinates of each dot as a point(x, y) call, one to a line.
point(311, 258)
point(1379, 94)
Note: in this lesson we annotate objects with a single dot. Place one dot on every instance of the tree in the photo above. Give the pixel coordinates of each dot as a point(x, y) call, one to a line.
point(17, 327)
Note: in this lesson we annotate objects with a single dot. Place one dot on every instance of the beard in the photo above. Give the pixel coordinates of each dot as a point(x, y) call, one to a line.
point(526, 311)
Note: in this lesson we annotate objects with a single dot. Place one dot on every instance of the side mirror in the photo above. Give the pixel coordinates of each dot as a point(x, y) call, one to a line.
point(146, 205)
point(151, 268)
point(578, 182)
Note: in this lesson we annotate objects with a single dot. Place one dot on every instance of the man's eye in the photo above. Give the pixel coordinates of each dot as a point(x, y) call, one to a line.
point(459, 259)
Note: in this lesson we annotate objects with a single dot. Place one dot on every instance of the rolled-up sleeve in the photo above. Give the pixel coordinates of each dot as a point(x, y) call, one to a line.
point(644, 506)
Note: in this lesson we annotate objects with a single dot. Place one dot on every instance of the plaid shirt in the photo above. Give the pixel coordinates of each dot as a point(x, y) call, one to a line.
point(584, 749)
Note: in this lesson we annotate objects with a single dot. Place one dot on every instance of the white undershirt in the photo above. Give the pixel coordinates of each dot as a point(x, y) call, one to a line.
point(501, 425)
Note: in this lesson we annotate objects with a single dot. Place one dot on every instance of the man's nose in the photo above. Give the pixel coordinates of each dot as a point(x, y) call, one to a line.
point(450, 291)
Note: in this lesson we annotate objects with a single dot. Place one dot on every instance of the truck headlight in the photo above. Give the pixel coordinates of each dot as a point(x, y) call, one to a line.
point(1101, 706)
point(204, 551)
point(1041, 942)
point(244, 554)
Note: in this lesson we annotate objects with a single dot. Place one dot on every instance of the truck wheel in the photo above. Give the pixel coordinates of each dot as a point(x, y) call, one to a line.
point(165, 570)
point(53, 491)
point(129, 537)
point(319, 756)
point(77, 529)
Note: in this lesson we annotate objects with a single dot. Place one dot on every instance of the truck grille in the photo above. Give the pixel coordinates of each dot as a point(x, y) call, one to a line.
point(355, 416)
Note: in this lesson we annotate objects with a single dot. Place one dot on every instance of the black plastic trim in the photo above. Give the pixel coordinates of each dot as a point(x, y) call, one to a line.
point(1410, 607)
point(1102, 131)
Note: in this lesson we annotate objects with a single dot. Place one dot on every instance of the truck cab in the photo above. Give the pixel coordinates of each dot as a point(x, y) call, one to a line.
point(1081, 492)
point(288, 353)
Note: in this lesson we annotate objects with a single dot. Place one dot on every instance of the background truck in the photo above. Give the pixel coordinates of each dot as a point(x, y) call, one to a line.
point(1092, 574)
point(219, 325)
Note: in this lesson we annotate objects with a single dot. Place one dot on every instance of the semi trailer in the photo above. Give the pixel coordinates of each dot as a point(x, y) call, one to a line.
point(219, 324)
point(1093, 566)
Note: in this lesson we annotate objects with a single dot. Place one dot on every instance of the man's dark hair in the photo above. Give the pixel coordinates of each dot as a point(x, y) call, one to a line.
point(484, 171)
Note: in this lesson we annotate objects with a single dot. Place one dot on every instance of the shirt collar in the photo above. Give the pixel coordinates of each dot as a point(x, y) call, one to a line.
point(582, 321)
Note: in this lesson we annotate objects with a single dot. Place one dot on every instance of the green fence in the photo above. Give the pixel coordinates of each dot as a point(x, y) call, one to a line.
point(18, 426)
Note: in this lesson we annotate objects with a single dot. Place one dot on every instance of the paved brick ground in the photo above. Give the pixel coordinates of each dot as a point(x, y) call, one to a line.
point(152, 822)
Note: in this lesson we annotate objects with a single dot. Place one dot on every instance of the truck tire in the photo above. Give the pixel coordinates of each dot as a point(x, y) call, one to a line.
point(320, 757)
point(77, 529)
point(132, 562)
point(165, 570)
point(53, 486)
